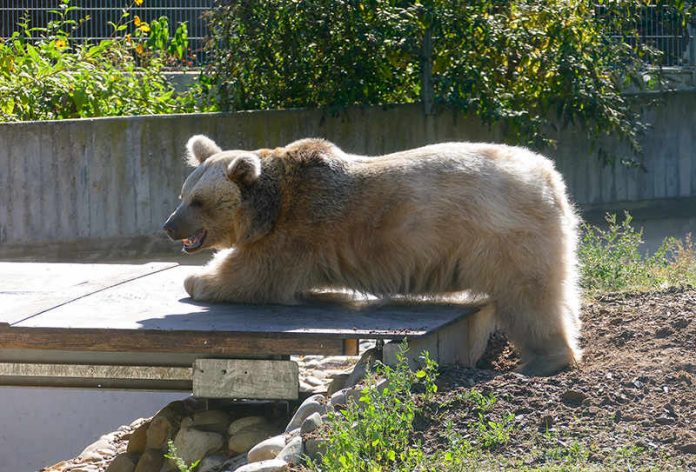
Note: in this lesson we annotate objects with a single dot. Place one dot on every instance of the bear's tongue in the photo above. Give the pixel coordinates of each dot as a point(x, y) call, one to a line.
point(195, 241)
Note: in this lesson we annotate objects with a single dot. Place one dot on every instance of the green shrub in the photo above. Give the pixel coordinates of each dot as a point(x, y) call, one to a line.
point(46, 75)
point(376, 432)
point(611, 259)
point(533, 65)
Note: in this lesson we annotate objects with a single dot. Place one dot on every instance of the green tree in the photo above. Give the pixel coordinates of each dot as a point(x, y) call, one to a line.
point(535, 66)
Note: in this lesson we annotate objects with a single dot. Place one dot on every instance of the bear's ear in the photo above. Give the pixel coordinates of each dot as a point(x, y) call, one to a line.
point(200, 148)
point(244, 169)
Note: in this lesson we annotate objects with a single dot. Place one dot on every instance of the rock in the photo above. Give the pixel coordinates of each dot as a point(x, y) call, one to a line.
point(314, 447)
point(313, 381)
point(338, 382)
point(309, 406)
point(688, 448)
point(267, 449)
point(250, 436)
point(366, 362)
point(150, 461)
point(138, 439)
point(211, 463)
point(242, 423)
point(122, 463)
point(272, 465)
point(102, 447)
point(338, 399)
point(292, 452)
point(573, 398)
point(664, 420)
point(192, 444)
point(164, 425)
point(311, 423)
point(215, 421)
point(234, 463)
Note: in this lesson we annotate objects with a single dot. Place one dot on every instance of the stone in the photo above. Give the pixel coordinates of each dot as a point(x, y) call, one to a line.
point(665, 420)
point(573, 398)
point(338, 382)
point(309, 406)
point(138, 439)
point(164, 425)
point(241, 423)
point(211, 463)
point(103, 446)
point(193, 445)
point(292, 452)
point(267, 449)
point(215, 421)
point(150, 461)
point(234, 463)
point(338, 399)
point(313, 381)
point(366, 362)
point(122, 463)
point(689, 448)
point(272, 465)
point(311, 423)
point(243, 440)
point(314, 447)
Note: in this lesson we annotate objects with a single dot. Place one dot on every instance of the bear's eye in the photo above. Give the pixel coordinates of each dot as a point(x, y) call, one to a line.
point(196, 202)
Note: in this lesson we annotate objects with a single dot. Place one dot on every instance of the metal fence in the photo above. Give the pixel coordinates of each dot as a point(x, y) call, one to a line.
point(102, 12)
point(659, 26)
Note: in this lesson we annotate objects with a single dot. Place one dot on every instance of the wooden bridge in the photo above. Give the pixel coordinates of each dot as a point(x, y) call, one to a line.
point(133, 326)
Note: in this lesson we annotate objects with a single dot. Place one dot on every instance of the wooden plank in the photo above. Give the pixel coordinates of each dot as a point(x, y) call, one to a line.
point(100, 376)
point(142, 358)
point(29, 289)
point(149, 341)
point(248, 379)
point(158, 302)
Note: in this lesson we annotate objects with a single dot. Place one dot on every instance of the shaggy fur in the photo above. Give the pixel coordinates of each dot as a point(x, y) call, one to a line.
point(441, 219)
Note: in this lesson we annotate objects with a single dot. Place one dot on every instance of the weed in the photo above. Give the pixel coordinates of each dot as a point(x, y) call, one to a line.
point(611, 259)
point(181, 465)
point(375, 433)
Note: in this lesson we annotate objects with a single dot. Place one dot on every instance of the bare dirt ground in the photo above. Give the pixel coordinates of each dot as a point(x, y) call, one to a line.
point(631, 405)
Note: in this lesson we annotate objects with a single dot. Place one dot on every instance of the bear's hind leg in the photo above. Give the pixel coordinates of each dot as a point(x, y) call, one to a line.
point(544, 330)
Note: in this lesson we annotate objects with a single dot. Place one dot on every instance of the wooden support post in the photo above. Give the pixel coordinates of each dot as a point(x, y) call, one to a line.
point(462, 343)
point(246, 379)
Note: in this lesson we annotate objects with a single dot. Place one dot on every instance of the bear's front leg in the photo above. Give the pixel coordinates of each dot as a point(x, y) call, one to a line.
point(203, 288)
point(236, 277)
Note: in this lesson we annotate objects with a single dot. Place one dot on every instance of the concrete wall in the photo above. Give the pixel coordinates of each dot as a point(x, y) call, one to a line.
point(105, 185)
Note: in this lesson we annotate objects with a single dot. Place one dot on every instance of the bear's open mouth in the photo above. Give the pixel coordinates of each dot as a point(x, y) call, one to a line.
point(195, 241)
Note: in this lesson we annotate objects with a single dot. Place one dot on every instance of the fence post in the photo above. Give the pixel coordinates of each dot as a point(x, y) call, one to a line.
point(426, 66)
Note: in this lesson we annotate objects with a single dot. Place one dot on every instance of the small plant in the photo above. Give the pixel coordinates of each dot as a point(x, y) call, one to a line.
point(173, 455)
point(375, 433)
point(611, 259)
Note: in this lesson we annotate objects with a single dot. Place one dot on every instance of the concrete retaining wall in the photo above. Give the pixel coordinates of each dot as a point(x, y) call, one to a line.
point(105, 185)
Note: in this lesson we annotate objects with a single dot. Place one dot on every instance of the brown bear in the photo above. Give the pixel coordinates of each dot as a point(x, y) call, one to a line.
point(485, 218)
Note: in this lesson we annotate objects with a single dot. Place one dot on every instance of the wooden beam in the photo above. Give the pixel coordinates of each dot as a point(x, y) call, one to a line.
point(99, 376)
point(209, 343)
point(246, 379)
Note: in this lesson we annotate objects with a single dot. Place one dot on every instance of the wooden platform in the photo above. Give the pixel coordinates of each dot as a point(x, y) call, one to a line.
point(139, 315)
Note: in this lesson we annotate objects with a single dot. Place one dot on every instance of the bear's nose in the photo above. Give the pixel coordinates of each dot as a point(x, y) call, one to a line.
point(170, 228)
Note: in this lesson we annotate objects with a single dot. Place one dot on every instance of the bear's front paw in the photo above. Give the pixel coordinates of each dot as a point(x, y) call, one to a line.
point(200, 288)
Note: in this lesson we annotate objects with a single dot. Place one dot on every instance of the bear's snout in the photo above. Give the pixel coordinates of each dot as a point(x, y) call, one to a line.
point(173, 228)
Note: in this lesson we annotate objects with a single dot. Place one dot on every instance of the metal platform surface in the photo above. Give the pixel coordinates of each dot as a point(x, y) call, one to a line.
point(140, 315)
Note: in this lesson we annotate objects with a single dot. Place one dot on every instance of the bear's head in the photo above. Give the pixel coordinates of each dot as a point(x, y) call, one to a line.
point(225, 201)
